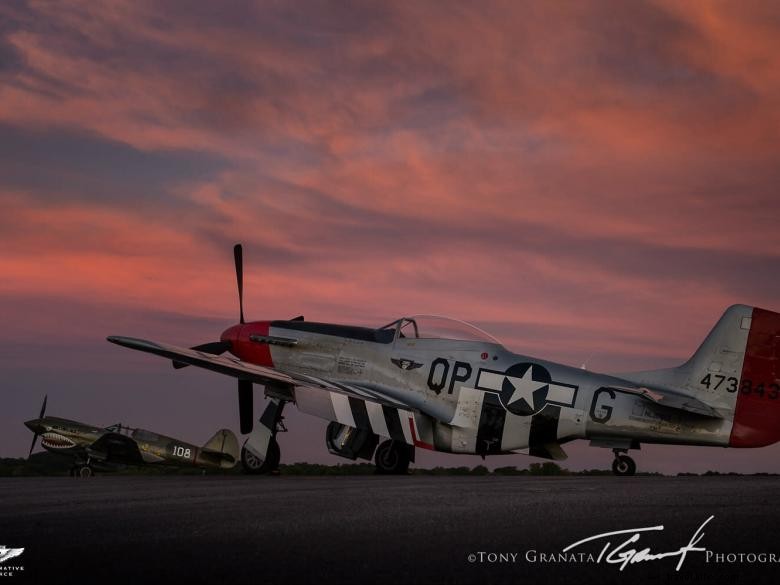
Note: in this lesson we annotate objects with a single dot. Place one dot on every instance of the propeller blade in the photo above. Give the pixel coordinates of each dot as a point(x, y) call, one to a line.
point(238, 256)
point(43, 406)
point(215, 347)
point(245, 406)
point(32, 446)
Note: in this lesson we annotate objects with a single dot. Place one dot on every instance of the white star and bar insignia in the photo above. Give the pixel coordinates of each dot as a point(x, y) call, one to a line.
point(525, 389)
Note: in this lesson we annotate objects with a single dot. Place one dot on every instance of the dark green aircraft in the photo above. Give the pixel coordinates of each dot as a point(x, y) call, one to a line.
point(107, 449)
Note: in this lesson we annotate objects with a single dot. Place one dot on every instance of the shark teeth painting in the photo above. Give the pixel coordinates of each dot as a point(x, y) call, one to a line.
point(56, 441)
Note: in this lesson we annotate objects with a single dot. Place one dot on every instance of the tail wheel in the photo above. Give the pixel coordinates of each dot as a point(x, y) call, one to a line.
point(84, 471)
point(392, 458)
point(623, 465)
point(253, 465)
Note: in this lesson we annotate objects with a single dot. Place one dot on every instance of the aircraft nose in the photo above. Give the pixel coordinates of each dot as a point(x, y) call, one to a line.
point(231, 333)
point(34, 425)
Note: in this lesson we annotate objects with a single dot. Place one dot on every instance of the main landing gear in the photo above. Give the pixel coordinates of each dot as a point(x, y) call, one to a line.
point(393, 457)
point(263, 441)
point(81, 470)
point(253, 465)
point(623, 464)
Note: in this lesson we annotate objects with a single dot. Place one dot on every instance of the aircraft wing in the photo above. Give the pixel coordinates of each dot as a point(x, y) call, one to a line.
point(232, 366)
point(117, 448)
point(355, 406)
point(670, 399)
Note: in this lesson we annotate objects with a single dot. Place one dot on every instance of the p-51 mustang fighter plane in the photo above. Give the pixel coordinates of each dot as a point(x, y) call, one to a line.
point(106, 449)
point(444, 385)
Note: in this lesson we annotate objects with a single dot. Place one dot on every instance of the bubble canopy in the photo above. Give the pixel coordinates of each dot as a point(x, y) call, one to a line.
point(438, 327)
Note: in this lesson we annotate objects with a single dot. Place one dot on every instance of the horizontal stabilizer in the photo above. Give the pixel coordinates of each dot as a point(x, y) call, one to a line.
point(664, 397)
point(221, 449)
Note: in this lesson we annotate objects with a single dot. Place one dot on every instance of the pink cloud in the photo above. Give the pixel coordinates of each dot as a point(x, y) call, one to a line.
point(585, 182)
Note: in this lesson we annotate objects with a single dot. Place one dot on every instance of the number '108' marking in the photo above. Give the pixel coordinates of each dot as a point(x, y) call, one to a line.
point(181, 451)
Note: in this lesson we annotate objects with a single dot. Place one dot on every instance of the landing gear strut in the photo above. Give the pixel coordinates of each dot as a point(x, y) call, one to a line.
point(263, 440)
point(393, 457)
point(623, 464)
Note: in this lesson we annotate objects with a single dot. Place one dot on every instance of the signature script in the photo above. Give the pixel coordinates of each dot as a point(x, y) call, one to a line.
point(623, 552)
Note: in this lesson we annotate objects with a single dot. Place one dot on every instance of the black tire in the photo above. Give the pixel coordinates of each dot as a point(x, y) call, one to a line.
point(392, 458)
point(84, 471)
point(253, 466)
point(623, 465)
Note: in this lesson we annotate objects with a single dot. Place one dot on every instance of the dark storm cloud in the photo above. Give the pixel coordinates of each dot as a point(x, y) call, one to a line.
point(91, 168)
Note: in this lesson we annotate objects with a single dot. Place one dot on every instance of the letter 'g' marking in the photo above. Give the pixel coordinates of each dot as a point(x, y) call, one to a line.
point(607, 410)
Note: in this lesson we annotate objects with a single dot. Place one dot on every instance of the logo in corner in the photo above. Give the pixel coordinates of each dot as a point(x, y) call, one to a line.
point(7, 554)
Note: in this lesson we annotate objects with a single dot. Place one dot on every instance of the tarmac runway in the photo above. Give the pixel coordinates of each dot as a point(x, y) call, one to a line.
point(386, 530)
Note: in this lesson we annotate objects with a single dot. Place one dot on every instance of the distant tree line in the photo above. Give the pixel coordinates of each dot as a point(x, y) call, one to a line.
point(50, 464)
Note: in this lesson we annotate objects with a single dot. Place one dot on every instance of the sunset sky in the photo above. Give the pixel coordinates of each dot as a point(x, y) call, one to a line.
point(589, 181)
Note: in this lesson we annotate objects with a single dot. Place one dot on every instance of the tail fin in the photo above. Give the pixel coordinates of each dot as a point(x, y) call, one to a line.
point(221, 449)
point(736, 370)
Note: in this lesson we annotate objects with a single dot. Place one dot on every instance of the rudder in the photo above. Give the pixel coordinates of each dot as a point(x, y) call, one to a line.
point(735, 371)
point(221, 449)
point(757, 412)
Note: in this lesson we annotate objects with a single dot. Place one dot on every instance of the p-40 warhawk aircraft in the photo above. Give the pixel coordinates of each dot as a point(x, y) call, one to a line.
point(106, 449)
point(444, 385)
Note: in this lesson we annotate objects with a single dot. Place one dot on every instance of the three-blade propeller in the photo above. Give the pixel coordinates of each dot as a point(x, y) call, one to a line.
point(40, 416)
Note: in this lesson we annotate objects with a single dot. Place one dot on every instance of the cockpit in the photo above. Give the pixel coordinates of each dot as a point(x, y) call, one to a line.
point(436, 327)
point(121, 429)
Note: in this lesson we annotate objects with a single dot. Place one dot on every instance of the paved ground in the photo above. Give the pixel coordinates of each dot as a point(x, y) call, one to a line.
point(379, 530)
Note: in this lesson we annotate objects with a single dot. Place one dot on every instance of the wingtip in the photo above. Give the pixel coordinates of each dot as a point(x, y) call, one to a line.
point(120, 340)
point(132, 342)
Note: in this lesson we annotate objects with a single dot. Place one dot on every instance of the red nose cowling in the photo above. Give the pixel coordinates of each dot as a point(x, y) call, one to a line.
point(244, 348)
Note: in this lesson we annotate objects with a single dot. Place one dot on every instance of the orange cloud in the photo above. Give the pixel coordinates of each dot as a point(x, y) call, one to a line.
point(590, 181)
point(500, 163)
